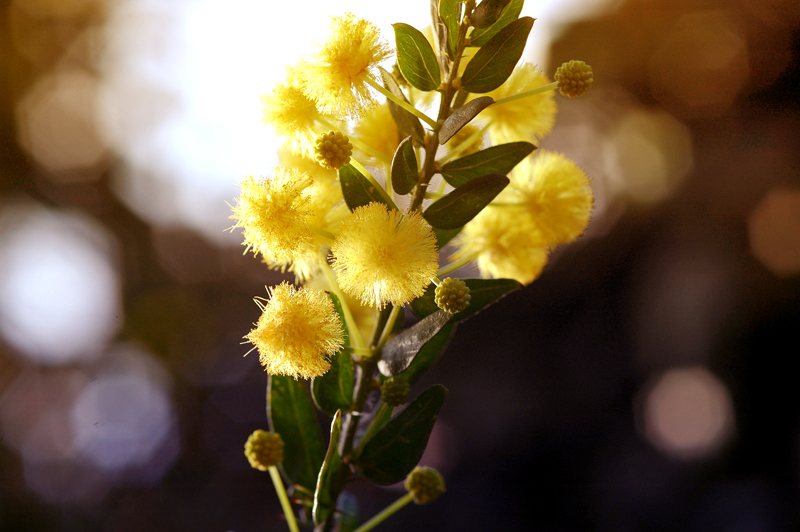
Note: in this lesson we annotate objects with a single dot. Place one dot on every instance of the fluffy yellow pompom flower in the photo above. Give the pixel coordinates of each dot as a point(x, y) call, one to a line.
point(293, 116)
point(377, 130)
point(506, 242)
point(273, 213)
point(383, 256)
point(335, 76)
point(527, 119)
point(556, 192)
point(297, 331)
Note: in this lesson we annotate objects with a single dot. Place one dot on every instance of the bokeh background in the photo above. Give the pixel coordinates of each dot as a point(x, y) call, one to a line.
point(644, 382)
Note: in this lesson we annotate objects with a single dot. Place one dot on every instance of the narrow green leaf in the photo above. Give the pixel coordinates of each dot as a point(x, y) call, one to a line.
point(488, 12)
point(291, 414)
point(334, 390)
point(356, 189)
point(450, 13)
point(463, 116)
point(483, 292)
point(407, 123)
point(429, 353)
point(498, 159)
point(511, 12)
point(443, 236)
point(397, 448)
point(495, 61)
point(324, 494)
point(400, 351)
point(465, 202)
point(405, 171)
point(416, 58)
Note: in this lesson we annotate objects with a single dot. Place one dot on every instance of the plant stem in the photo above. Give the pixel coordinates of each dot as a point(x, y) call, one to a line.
point(457, 264)
point(458, 150)
point(388, 511)
point(371, 179)
point(525, 94)
point(402, 103)
point(380, 413)
point(387, 330)
point(355, 334)
point(285, 504)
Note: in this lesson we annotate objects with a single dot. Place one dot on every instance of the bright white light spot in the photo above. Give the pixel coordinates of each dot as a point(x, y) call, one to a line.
point(59, 292)
point(688, 413)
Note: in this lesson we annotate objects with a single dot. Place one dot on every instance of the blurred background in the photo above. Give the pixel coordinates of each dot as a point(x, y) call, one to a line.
point(642, 383)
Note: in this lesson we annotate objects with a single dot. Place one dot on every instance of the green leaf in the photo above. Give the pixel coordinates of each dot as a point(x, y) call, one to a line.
point(443, 236)
point(465, 202)
point(407, 123)
point(498, 159)
point(405, 171)
point(495, 61)
point(488, 12)
point(416, 58)
point(324, 495)
point(480, 37)
point(429, 353)
point(462, 116)
point(334, 389)
point(350, 512)
point(450, 11)
point(483, 292)
point(398, 353)
point(356, 189)
point(396, 449)
point(291, 414)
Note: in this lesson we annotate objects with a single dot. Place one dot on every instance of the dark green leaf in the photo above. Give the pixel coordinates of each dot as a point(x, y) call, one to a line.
point(429, 354)
point(328, 473)
point(498, 159)
point(480, 37)
point(395, 449)
point(495, 61)
point(407, 123)
point(356, 189)
point(349, 511)
point(483, 292)
point(488, 12)
point(462, 116)
point(450, 11)
point(443, 236)
point(334, 389)
point(465, 202)
point(400, 351)
point(416, 58)
point(405, 171)
point(291, 414)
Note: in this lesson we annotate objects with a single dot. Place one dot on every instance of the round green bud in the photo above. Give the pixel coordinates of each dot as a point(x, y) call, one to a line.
point(264, 449)
point(425, 483)
point(333, 150)
point(574, 78)
point(452, 295)
point(395, 390)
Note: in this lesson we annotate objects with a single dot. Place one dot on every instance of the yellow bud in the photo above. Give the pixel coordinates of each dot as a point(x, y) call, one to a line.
point(333, 150)
point(264, 449)
point(425, 483)
point(574, 78)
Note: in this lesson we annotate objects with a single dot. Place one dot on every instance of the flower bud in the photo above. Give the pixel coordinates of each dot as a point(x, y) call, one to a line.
point(264, 449)
point(425, 483)
point(333, 150)
point(574, 78)
point(452, 295)
point(394, 391)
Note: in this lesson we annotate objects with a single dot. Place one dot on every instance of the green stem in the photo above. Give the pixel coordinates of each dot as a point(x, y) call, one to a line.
point(377, 420)
point(434, 195)
point(355, 334)
point(387, 512)
point(371, 179)
point(458, 150)
point(387, 330)
point(458, 264)
point(285, 504)
point(525, 94)
point(321, 232)
point(402, 103)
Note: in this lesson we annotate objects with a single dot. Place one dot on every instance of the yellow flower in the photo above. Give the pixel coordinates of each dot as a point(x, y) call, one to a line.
point(462, 136)
point(506, 242)
point(383, 256)
point(297, 331)
point(274, 214)
point(306, 164)
point(527, 119)
point(292, 115)
point(556, 192)
point(378, 131)
point(335, 75)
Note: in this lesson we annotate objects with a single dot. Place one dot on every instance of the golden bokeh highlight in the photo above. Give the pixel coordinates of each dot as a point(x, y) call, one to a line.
point(774, 230)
